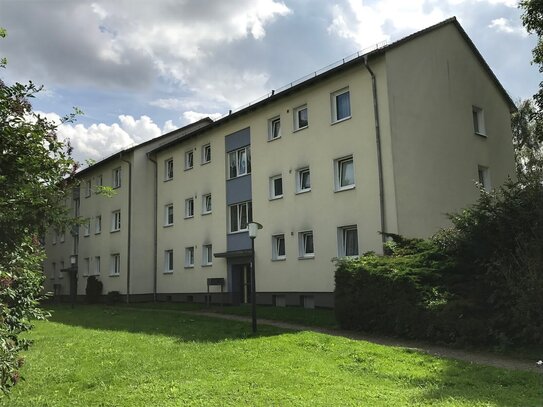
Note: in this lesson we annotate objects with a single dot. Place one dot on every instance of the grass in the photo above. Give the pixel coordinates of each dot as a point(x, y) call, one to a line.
point(102, 356)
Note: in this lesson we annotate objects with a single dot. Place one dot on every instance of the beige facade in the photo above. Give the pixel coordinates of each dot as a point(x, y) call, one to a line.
point(318, 181)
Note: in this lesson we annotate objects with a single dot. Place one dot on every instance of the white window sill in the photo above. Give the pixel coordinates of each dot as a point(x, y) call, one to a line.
point(273, 139)
point(205, 162)
point(97, 233)
point(116, 230)
point(347, 188)
point(114, 275)
point(168, 179)
point(116, 187)
point(480, 134)
point(238, 176)
point(307, 257)
point(300, 129)
point(189, 168)
point(188, 217)
point(85, 235)
point(303, 191)
point(168, 225)
point(206, 213)
point(167, 272)
point(279, 259)
point(275, 198)
point(207, 265)
point(340, 120)
point(189, 267)
point(239, 231)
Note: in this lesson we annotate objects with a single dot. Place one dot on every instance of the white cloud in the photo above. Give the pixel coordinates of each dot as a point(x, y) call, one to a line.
point(168, 126)
point(504, 25)
point(191, 117)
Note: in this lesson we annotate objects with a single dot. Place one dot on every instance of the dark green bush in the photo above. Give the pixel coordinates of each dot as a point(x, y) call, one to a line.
point(93, 290)
point(113, 297)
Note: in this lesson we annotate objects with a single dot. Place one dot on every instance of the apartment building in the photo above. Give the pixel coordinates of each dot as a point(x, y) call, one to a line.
point(391, 140)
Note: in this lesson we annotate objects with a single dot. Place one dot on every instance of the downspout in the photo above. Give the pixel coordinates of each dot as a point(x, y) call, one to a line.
point(155, 228)
point(129, 226)
point(379, 154)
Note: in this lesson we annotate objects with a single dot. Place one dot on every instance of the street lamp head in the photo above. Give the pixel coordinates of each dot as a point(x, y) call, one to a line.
point(253, 229)
point(73, 259)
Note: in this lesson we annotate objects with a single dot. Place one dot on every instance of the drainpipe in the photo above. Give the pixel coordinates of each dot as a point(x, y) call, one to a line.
point(379, 154)
point(155, 228)
point(129, 227)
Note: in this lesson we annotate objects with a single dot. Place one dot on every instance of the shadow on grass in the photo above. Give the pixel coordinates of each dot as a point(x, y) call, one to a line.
point(186, 328)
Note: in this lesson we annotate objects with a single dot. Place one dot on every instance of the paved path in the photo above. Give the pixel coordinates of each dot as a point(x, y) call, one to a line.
point(481, 358)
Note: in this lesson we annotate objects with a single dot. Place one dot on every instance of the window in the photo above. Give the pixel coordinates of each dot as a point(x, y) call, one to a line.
point(301, 120)
point(478, 121)
point(276, 187)
point(278, 247)
point(60, 275)
point(115, 221)
point(341, 105)
point(207, 255)
point(98, 224)
point(484, 177)
point(168, 261)
point(86, 227)
point(53, 270)
point(189, 160)
point(348, 241)
point(239, 162)
point(168, 215)
point(274, 128)
point(189, 208)
point(344, 170)
point(206, 153)
point(303, 180)
point(115, 266)
point(62, 237)
point(54, 240)
point(97, 265)
point(189, 256)
point(86, 266)
point(305, 241)
point(117, 177)
point(240, 216)
point(87, 188)
point(168, 169)
point(206, 204)
point(99, 181)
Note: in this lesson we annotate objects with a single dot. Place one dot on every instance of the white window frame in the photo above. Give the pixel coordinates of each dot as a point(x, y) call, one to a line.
point(189, 160)
point(117, 177)
point(206, 153)
point(189, 208)
point(86, 227)
point(273, 187)
point(339, 169)
point(98, 225)
point(115, 265)
point(334, 98)
point(342, 234)
point(299, 180)
point(297, 124)
point(88, 188)
point(189, 257)
point(168, 261)
point(99, 180)
point(207, 209)
point(54, 238)
point(478, 117)
point(116, 221)
point(168, 169)
point(54, 270)
point(168, 211)
point(303, 243)
point(60, 275)
point(239, 216)
point(274, 128)
point(276, 247)
point(86, 266)
point(62, 237)
point(483, 177)
point(240, 156)
point(96, 265)
point(207, 255)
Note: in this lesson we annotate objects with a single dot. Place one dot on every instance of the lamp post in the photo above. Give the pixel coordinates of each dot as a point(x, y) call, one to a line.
point(73, 278)
point(253, 230)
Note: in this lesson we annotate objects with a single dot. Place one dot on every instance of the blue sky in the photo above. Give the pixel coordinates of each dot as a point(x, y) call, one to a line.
point(141, 68)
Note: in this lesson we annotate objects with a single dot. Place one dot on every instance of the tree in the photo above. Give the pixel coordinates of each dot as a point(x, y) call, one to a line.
point(527, 140)
point(35, 173)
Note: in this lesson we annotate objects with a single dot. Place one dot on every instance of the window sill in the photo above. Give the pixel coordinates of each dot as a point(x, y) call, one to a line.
point(169, 225)
point(350, 187)
point(85, 235)
point(206, 213)
point(340, 120)
point(308, 257)
point(275, 198)
point(239, 231)
point(168, 272)
point(303, 191)
point(117, 187)
point(480, 134)
point(114, 275)
point(300, 129)
point(97, 233)
point(239, 176)
point(273, 139)
point(206, 162)
point(189, 267)
point(168, 179)
point(189, 217)
point(189, 168)
point(207, 265)
point(115, 231)
point(279, 259)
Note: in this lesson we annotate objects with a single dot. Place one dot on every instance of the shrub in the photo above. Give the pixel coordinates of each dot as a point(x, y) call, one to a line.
point(113, 297)
point(93, 290)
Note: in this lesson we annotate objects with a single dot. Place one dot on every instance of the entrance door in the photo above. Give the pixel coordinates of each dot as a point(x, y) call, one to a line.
point(241, 283)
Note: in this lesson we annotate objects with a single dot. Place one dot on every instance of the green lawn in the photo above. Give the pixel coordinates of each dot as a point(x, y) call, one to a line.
point(100, 356)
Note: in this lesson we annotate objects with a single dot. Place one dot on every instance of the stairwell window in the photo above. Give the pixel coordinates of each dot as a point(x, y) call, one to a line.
point(276, 187)
point(478, 121)
point(278, 247)
point(303, 180)
point(207, 255)
point(274, 128)
point(347, 241)
point(88, 188)
point(189, 159)
point(301, 118)
point(97, 265)
point(86, 227)
point(168, 215)
point(116, 178)
point(341, 105)
point(98, 225)
point(344, 173)
point(189, 257)
point(168, 169)
point(239, 162)
point(115, 265)
point(206, 204)
point(115, 221)
point(240, 216)
point(206, 154)
point(189, 208)
point(484, 177)
point(305, 243)
point(168, 261)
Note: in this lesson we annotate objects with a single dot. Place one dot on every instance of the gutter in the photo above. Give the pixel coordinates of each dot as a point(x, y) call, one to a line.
point(155, 228)
point(379, 153)
point(129, 226)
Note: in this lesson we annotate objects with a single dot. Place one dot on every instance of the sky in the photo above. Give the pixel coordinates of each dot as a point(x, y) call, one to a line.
point(139, 69)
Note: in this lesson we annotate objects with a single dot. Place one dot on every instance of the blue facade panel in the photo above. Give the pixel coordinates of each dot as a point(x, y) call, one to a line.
point(238, 241)
point(238, 190)
point(238, 139)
